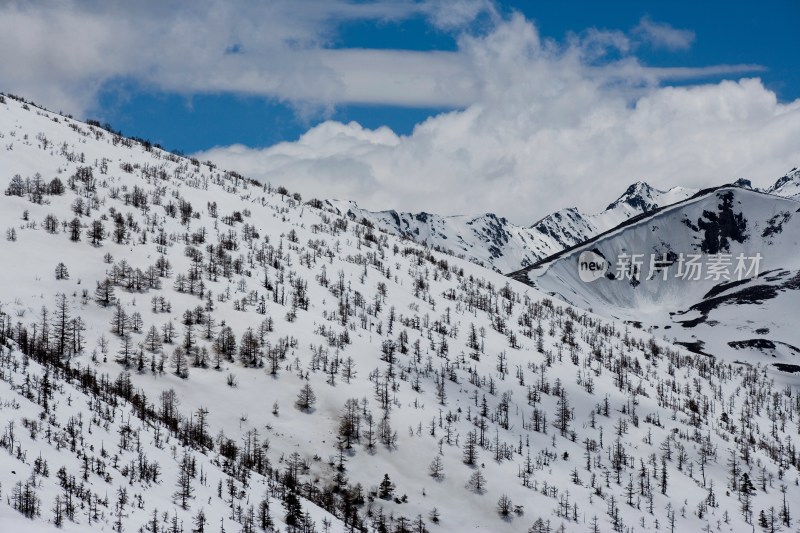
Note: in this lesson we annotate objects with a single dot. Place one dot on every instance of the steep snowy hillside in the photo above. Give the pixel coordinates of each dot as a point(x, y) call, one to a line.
point(721, 271)
point(182, 349)
point(787, 186)
point(486, 240)
point(494, 242)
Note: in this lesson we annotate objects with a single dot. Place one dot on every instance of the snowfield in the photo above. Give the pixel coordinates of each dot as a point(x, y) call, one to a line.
point(494, 242)
point(182, 349)
point(748, 320)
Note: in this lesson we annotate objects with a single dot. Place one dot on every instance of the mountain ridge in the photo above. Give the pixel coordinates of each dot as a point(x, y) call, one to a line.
point(725, 222)
point(492, 241)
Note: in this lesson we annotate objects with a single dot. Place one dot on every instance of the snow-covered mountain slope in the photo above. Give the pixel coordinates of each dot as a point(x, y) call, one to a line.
point(727, 311)
point(637, 199)
point(787, 186)
point(486, 240)
point(496, 243)
point(179, 345)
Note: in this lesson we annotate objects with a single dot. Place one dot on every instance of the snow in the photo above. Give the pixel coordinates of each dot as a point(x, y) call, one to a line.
point(494, 242)
point(355, 279)
point(788, 186)
point(675, 305)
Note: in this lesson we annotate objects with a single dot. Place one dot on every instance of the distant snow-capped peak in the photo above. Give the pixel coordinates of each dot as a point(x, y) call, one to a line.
point(787, 186)
point(493, 241)
point(642, 197)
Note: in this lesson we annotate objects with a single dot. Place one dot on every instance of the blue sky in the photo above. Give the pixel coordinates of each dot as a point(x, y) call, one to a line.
point(456, 107)
point(724, 33)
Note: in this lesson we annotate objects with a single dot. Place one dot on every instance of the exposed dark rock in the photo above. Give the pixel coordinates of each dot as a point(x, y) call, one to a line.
point(695, 347)
point(762, 344)
point(724, 286)
point(775, 224)
point(759, 344)
point(722, 226)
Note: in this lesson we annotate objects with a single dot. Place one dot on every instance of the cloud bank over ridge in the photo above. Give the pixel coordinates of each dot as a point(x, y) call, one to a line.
point(547, 125)
point(535, 124)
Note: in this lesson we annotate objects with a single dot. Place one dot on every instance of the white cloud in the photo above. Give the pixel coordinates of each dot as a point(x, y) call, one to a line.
point(536, 124)
point(548, 128)
point(400, 77)
point(455, 14)
point(661, 35)
point(65, 52)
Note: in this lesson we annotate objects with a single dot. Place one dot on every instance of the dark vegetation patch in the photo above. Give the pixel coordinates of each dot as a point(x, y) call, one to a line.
point(759, 344)
point(695, 347)
point(785, 367)
point(765, 346)
point(756, 294)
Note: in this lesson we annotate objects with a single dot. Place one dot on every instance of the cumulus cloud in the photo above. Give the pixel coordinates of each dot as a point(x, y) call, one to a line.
point(548, 128)
point(536, 124)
